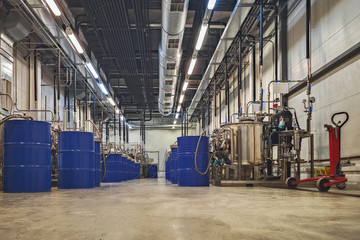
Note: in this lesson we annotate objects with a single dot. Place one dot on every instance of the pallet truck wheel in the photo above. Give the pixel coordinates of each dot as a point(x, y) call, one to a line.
point(320, 184)
point(289, 182)
point(341, 186)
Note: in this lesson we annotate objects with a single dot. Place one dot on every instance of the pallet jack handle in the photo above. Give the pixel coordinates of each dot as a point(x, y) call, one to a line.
point(339, 124)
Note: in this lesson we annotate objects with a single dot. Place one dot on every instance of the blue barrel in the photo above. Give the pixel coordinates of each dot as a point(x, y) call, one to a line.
point(174, 167)
point(76, 160)
point(123, 167)
point(168, 170)
point(187, 174)
point(27, 156)
point(97, 163)
point(113, 168)
point(152, 171)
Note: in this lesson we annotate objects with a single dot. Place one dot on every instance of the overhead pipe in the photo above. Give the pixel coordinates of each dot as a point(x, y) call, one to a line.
point(173, 27)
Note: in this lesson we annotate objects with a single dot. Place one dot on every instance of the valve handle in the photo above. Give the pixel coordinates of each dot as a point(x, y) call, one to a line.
point(339, 124)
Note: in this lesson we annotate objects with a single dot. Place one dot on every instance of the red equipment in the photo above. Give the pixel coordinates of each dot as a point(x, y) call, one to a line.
point(336, 176)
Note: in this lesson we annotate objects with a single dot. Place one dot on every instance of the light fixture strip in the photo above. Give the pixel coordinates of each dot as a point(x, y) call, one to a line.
point(111, 101)
point(201, 37)
point(53, 7)
point(211, 4)
point(75, 43)
point(192, 65)
point(92, 70)
point(181, 98)
point(186, 83)
point(103, 88)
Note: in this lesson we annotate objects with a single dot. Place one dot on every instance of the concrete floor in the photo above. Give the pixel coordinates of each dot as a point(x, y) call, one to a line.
point(151, 209)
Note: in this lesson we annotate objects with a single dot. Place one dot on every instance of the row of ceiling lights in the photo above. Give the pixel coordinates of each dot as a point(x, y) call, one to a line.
point(77, 46)
point(200, 40)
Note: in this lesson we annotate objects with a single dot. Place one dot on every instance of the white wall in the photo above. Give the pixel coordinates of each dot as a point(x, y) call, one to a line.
point(334, 29)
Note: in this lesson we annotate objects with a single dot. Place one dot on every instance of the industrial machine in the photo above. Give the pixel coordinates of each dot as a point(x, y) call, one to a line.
point(262, 147)
point(336, 176)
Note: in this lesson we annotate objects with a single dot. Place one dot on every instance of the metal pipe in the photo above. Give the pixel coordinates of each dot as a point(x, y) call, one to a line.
point(240, 73)
point(261, 55)
point(58, 88)
point(308, 57)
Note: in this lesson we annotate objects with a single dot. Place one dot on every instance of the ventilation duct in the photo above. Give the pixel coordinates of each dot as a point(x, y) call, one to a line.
point(174, 14)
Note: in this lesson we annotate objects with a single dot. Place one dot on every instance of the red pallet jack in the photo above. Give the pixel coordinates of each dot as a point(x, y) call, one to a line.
point(336, 176)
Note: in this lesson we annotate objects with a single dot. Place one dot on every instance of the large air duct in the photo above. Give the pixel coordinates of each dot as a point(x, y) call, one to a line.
point(174, 14)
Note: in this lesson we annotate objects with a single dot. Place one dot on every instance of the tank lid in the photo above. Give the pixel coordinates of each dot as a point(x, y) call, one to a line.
point(174, 146)
point(97, 139)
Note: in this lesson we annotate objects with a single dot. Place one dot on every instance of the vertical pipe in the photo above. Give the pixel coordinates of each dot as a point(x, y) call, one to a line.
point(308, 57)
point(35, 78)
point(261, 56)
point(254, 71)
point(220, 107)
point(227, 92)
point(240, 74)
point(114, 128)
point(127, 133)
point(276, 43)
point(124, 132)
point(75, 73)
point(94, 110)
point(58, 86)
point(182, 125)
point(119, 131)
point(215, 96)
point(86, 104)
point(54, 93)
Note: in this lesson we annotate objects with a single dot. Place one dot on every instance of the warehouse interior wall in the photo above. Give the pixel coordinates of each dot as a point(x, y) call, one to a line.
point(332, 33)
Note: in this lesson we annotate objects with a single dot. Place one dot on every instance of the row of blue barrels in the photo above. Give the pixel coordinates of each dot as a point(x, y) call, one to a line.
point(152, 171)
point(120, 168)
point(180, 166)
point(27, 158)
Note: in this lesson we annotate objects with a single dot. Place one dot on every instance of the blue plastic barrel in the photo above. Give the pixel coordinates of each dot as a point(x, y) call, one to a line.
point(169, 168)
point(97, 163)
point(174, 167)
point(27, 156)
point(187, 174)
point(76, 160)
point(113, 168)
point(152, 171)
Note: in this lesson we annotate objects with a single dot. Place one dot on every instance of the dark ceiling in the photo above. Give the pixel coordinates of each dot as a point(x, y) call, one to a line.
point(125, 35)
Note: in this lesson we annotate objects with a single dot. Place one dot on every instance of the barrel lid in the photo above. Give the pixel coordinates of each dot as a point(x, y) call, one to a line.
point(173, 146)
point(97, 139)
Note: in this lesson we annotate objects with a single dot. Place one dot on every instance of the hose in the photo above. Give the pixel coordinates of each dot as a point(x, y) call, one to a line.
point(15, 116)
point(197, 148)
point(102, 147)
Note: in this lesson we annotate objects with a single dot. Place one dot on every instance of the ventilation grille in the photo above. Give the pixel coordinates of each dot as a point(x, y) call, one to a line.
point(177, 5)
point(170, 66)
point(168, 82)
point(168, 94)
point(173, 43)
point(167, 104)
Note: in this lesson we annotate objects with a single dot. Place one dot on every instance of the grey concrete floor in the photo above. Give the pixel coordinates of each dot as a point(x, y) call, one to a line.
point(153, 209)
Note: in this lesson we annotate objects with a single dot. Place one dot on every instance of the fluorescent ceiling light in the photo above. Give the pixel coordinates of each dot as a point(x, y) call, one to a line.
point(192, 65)
point(54, 8)
point(117, 111)
point(175, 122)
point(177, 116)
point(130, 127)
point(92, 70)
point(185, 85)
point(173, 127)
point(74, 40)
point(211, 4)
point(122, 118)
point(181, 98)
point(178, 108)
point(201, 37)
point(111, 101)
point(103, 88)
